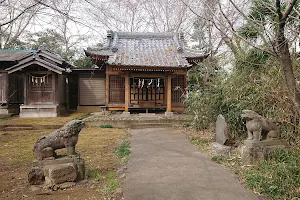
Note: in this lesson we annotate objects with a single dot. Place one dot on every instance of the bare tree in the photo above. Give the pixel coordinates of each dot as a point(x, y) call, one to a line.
point(282, 47)
point(14, 19)
point(271, 34)
point(140, 15)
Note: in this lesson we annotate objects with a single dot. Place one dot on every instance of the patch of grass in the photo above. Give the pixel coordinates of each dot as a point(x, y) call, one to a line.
point(110, 186)
point(111, 183)
point(4, 118)
point(105, 126)
point(97, 147)
point(231, 161)
point(16, 146)
point(201, 143)
point(277, 177)
point(187, 124)
point(123, 151)
point(219, 159)
point(111, 175)
point(92, 173)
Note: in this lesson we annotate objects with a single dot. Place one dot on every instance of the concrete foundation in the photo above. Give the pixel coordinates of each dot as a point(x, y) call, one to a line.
point(37, 111)
point(127, 114)
point(169, 114)
point(9, 110)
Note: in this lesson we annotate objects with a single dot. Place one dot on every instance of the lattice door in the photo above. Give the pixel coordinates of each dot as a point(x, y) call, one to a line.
point(177, 89)
point(116, 89)
point(147, 90)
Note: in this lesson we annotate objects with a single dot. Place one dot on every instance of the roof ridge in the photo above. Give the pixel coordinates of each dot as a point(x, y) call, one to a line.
point(145, 34)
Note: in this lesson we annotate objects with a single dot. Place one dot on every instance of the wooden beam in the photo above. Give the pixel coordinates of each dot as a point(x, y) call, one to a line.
point(169, 94)
point(127, 92)
point(113, 72)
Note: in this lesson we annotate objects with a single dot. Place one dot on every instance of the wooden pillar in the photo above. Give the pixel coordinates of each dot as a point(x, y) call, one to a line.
point(169, 94)
point(185, 83)
point(107, 90)
point(26, 89)
point(5, 85)
point(54, 88)
point(127, 92)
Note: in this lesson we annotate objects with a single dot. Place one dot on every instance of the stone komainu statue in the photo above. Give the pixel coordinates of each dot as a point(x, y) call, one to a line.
point(65, 137)
point(258, 127)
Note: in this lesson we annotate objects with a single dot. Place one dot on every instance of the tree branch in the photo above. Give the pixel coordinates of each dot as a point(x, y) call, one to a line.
point(19, 15)
point(289, 9)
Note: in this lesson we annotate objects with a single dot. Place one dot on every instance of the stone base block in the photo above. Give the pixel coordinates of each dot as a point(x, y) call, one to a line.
point(219, 149)
point(50, 173)
point(252, 151)
point(169, 114)
point(126, 114)
point(9, 110)
point(36, 111)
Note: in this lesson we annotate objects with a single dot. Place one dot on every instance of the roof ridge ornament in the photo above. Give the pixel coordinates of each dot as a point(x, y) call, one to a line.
point(109, 34)
point(178, 42)
point(115, 43)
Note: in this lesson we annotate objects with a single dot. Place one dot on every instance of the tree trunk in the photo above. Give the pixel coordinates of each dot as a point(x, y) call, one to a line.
point(287, 66)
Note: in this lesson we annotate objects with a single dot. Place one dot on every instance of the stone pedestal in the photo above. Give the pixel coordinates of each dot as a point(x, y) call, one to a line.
point(169, 114)
point(9, 110)
point(53, 173)
point(253, 151)
point(126, 114)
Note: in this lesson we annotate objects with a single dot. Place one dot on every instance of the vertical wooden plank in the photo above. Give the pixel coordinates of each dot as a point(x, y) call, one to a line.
point(54, 87)
point(169, 94)
point(26, 83)
point(6, 88)
point(165, 89)
point(78, 91)
point(107, 89)
point(67, 97)
point(185, 83)
point(127, 92)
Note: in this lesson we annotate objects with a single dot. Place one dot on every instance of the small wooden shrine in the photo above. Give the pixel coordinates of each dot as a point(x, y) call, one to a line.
point(43, 83)
point(142, 71)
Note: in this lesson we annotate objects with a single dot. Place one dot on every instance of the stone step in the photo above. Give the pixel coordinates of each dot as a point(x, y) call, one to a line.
point(147, 114)
point(150, 125)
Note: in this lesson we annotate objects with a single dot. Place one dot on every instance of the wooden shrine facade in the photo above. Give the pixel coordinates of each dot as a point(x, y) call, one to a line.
point(144, 70)
point(34, 82)
point(133, 71)
point(127, 89)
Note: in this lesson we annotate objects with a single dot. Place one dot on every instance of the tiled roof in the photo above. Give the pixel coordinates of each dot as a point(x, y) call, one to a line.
point(44, 58)
point(10, 55)
point(145, 49)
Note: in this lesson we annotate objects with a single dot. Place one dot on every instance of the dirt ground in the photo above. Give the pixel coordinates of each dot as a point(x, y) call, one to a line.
point(95, 145)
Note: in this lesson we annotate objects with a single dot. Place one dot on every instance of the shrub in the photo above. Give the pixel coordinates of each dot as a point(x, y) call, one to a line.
point(278, 176)
point(260, 88)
